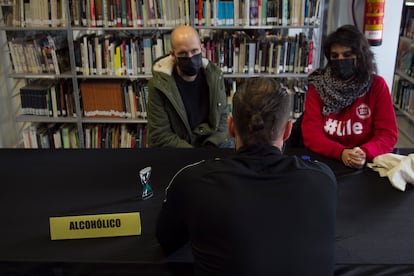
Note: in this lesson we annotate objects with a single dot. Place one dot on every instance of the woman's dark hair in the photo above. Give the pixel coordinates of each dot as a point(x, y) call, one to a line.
point(350, 36)
point(261, 109)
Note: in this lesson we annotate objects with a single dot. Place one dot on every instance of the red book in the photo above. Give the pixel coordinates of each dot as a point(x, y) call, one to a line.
point(200, 12)
point(93, 13)
point(129, 13)
point(118, 13)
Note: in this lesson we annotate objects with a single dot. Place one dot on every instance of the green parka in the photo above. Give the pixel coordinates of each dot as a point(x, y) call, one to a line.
point(167, 118)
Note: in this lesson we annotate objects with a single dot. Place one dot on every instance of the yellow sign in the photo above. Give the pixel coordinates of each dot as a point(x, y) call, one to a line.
point(95, 226)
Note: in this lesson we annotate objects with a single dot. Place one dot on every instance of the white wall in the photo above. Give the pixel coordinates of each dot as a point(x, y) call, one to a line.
point(340, 14)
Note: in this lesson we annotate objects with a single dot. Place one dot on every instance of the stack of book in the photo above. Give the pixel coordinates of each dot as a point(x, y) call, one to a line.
point(40, 54)
point(48, 98)
point(66, 136)
point(114, 99)
point(115, 136)
point(39, 13)
point(51, 136)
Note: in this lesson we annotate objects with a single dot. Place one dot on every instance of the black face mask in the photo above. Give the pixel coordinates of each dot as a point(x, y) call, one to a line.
point(343, 68)
point(190, 65)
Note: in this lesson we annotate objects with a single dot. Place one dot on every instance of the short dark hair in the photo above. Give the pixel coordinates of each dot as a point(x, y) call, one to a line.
point(350, 36)
point(261, 109)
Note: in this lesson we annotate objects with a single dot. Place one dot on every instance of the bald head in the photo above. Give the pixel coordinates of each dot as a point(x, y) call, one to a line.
point(185, 44)
point(183, 35)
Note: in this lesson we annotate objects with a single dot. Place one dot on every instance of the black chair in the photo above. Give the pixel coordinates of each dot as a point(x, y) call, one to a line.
point(296, 140)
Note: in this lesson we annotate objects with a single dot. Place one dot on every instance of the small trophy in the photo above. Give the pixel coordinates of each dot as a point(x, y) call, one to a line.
point(144, 176)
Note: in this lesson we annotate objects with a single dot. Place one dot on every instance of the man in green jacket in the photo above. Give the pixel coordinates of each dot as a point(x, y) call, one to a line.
point(187, 103)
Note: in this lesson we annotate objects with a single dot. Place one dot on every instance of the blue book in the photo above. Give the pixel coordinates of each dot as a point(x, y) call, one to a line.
point(229, 8)
point(128, 60)
point(221, 17)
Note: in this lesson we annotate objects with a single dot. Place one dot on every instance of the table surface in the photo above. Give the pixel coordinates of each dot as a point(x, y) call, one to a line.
point(374, 220)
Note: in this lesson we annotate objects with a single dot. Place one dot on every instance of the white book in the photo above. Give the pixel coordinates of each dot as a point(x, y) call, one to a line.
point(33, 137)
point(98, 56)
point(159, 48)
point(85, 56)
point(214, 14)
point(251, 57)
point(147, 55)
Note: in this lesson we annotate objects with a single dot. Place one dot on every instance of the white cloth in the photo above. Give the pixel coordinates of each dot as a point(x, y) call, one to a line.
point(398, 168)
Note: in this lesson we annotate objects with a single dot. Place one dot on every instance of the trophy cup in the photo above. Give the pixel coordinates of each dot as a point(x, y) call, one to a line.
point(144, 176)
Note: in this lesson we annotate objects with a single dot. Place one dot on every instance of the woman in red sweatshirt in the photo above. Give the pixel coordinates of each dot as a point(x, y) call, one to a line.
point(349, 113)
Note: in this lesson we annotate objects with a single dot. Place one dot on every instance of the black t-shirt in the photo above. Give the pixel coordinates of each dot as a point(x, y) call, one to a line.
point(195, 97)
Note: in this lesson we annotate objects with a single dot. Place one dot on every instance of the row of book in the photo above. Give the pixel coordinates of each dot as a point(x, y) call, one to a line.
point(297, 89)
point(118, 55)
point(157, 13)
point(233, 52)
point(129, 13)
point(129, 55)
point(38, 13)
point(41, 53)
point(256, 12)
point(115, 136)
point(99, 98)
point(96, 136)
point(51, 136)
point(269, 54)
point(50, 98)
point(113, 98)
point(403, 94)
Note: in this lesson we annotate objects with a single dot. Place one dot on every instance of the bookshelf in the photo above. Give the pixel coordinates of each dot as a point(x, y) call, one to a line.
point(403, 83)
point(106, 45)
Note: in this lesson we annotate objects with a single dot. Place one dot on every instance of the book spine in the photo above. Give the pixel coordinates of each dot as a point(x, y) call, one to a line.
point(92, 13)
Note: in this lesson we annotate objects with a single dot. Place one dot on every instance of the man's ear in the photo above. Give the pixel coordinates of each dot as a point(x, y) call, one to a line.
point(288, 130)
point(230, 125)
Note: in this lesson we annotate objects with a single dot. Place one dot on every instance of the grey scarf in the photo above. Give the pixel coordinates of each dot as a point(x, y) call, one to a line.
point(335, 93)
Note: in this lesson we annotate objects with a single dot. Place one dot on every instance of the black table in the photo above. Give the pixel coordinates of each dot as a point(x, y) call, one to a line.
point(375, 222)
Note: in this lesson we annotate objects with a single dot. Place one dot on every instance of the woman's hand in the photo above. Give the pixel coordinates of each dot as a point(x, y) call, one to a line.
point(354, 158)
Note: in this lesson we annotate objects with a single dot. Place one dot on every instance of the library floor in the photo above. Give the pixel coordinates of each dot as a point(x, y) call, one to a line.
point(406, 131)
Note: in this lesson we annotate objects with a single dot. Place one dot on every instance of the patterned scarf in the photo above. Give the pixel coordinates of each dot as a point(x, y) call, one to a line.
point(335, 93)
